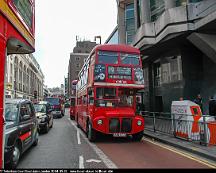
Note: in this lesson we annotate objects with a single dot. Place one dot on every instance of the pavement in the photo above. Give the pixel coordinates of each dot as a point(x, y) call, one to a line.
point(208, 152)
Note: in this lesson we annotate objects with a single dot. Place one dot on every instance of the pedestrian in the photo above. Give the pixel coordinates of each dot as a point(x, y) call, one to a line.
point(212, 106)
point(198, 101)
point(140, 108)
point(181, 99)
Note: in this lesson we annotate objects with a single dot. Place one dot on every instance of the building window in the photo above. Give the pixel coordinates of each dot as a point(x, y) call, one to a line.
point(157, 8)
point(77, 72)
point(194, 1)
point(157, 74)
point(139, 13)
point(77, 65)
point(129, 23)
point(180, 2)
point(77, 58)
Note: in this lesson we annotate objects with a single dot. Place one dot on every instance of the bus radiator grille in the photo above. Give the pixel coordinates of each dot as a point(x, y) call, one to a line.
point(114, 125)
point(126, 125)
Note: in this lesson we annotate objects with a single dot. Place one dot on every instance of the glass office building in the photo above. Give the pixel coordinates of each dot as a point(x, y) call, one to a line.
point(177, 42)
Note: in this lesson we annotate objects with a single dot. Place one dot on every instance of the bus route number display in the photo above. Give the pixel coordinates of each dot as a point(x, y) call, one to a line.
point(25, 10)
point(99, 72)
point(119, 72)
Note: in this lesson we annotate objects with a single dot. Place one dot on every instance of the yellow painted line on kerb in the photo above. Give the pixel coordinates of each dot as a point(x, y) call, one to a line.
point(202, 161)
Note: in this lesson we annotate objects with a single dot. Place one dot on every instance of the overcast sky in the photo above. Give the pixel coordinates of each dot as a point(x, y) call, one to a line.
point(57, 24)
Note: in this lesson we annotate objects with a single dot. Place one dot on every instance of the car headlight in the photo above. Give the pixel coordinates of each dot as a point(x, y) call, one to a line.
point(99, 122)
point(43, 119)
point(139, 122)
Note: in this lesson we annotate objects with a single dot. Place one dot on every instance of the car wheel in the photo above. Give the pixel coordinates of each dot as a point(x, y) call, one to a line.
point(36, 139)
point(91, 133)
point(16, 156)
point(47, 128)
point(137, 136)
point(51, 124)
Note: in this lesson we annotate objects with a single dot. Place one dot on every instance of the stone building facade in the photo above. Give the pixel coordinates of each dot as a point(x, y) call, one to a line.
point(23, 77)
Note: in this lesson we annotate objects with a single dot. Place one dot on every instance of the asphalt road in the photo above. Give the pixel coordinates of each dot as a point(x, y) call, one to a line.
point(62, 147)
point(66, 146)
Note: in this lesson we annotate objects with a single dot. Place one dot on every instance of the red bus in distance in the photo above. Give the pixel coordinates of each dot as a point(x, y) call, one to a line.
point(73, 100)
point(106, 92)
point(17, 30)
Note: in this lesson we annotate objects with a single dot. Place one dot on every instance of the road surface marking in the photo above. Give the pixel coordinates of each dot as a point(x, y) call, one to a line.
point(98, 151)
point(78, 137)
point(205, 162)
point(81, 162)
point(93, 160)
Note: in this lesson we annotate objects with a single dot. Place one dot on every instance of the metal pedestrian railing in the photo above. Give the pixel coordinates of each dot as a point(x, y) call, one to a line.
point(201, 129)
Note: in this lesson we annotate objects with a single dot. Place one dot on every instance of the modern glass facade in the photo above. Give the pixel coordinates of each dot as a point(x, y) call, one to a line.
point(129, 23)
point(157, 8)
point(114, 38)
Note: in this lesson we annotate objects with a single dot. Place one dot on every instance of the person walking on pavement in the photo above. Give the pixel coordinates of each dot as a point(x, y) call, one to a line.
point(198, 101)
point(212, 107)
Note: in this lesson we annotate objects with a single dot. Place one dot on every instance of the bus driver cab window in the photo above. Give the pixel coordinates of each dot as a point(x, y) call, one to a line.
point(91, 96)
point(125, 98)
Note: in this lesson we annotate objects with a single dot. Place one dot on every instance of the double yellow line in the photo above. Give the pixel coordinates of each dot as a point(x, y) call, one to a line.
point(202, 161)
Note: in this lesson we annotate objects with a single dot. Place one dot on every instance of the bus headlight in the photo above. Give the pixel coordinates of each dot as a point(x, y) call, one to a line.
point(139, 122)
point(99, 122)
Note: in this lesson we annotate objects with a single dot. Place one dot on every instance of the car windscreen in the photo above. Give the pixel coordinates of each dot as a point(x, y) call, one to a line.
point(53, 101)
point(40, 108)
point(11, 112)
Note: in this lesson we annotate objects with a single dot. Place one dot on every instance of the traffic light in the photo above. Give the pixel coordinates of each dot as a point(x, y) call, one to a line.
point(35, 94)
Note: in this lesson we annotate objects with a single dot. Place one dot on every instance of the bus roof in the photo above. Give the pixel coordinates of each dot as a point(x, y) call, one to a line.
point(117, 48)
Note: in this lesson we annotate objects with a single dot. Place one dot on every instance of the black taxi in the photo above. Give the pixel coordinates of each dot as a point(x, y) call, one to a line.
point(21, 130)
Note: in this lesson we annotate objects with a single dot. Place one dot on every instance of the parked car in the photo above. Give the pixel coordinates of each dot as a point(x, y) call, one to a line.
point(21, 130)
point(44, 115)
point(57, 106)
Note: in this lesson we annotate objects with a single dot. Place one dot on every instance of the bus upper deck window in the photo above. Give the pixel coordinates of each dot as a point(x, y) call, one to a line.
point(106, 57)
point(129, 59)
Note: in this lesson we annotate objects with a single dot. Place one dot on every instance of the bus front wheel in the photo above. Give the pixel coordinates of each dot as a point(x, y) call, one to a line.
point(91, 133)
point(137, 136)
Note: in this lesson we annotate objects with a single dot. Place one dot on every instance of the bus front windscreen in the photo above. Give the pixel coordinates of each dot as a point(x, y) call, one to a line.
point(72, 101)
point(107, 97)
point(53, 101)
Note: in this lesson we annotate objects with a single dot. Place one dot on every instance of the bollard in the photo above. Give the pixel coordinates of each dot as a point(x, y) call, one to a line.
point(205, 131)
point(173, 124)
point(154, 121)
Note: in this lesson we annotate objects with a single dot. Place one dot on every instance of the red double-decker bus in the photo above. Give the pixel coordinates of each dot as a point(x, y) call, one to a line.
point(73, 100)
point(106, 92)
point(16, 37)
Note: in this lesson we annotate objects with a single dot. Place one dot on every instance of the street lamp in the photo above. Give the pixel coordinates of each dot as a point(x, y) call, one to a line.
point(97, 37)
point(15, 83)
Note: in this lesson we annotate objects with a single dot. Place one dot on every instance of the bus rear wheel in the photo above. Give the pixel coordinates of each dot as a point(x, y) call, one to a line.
point(91, 133)
point(77, 121)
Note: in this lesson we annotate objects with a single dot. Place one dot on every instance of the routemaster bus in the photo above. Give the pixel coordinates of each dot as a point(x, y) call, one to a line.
point(16, 37)
point(107, 87)
point(73, 100)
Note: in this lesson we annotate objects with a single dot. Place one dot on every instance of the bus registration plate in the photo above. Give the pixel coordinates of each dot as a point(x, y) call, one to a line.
point(119, 134)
